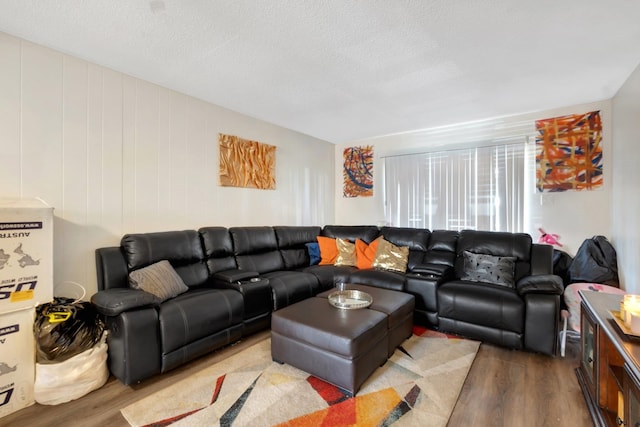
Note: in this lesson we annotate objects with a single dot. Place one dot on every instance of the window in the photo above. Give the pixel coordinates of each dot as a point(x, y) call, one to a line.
point(478, 188)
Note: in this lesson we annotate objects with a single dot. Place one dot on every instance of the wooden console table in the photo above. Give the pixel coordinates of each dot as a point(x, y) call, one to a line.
point(609, 368)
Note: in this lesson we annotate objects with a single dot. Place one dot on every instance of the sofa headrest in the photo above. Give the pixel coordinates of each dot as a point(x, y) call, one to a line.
point(216, 241)
point(177, 247)
point(181, 248)
point(496, 243)
point(256, 249)
point(251, 240)
point(368, 233)
point(295, 236)
point(442, 248)
point(416, 239)
point(444, 240)
point(291, 242)
point(218, 249)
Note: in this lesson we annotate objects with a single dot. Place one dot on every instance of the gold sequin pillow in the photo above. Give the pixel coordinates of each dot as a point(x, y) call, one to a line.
point(346, 253)
point(391, 257)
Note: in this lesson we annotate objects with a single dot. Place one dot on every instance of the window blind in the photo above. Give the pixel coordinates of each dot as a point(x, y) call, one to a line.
point(478, 188)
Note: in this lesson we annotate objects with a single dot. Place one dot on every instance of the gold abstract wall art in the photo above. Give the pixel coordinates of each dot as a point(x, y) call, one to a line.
point(569, 153)
point(245, 163)
point(357, 171)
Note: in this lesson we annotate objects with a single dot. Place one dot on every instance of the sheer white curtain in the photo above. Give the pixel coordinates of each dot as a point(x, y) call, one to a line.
point(475, 188)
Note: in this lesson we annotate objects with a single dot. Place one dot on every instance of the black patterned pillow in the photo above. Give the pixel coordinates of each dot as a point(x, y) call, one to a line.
point(159, 279)
point(498, 270)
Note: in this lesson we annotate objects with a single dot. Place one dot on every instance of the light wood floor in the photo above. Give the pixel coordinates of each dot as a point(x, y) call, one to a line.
point(504, 388)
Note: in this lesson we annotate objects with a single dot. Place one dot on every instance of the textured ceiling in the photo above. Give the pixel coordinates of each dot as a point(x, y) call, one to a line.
point(345, 70)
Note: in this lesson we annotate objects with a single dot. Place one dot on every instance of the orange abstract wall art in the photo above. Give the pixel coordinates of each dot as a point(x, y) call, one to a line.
point(357, 171)
point(245, 163)
point(569, 153)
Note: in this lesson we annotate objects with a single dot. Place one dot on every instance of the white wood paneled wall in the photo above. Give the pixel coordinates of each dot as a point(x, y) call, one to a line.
point(114, 154)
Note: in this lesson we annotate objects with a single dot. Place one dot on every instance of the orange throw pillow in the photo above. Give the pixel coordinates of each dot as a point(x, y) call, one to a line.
point(365, 254)
point(328, 250)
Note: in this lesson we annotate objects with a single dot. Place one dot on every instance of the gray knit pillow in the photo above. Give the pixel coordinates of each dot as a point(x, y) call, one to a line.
point(489, 269)
point(159, 279)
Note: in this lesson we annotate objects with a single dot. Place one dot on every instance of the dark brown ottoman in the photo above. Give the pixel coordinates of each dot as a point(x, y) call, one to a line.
point(398, 306)
point(342, 347)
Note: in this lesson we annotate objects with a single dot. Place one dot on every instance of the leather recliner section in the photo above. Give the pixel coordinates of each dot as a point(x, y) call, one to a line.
point(482, 304)
point(190, 316)
point(289, 287)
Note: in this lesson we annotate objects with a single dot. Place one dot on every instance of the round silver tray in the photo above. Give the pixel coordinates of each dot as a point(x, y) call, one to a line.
point(350, 299)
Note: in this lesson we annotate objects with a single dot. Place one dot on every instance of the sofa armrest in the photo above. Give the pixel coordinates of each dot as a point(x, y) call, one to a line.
point(423, 284)
point(540, 284)
point(112, 302)
point(233, 276)
point(134, 345)
point(432, 270)
point(234, 279)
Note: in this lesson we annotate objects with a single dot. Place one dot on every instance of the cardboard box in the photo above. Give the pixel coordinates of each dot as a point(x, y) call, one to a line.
point(17, 361)
point(26, 254)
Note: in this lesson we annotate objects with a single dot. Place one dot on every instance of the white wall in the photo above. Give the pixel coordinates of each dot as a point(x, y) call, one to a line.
point(114, 154)
point(625, 207)
point(574, 215)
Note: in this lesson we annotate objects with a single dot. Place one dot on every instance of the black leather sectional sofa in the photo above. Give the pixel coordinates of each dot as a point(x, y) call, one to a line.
point(236, 277)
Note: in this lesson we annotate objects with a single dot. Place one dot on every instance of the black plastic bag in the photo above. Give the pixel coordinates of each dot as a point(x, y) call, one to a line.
point(65, 328)
point(561, 263)
point(595, 262)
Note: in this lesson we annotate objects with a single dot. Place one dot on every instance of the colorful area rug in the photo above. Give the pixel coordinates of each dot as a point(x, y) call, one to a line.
point(417, 386)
